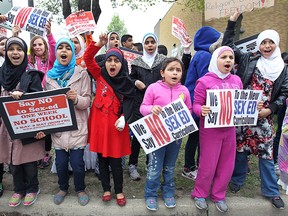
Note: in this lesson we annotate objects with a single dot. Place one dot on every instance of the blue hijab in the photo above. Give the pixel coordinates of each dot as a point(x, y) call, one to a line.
point(60, 72)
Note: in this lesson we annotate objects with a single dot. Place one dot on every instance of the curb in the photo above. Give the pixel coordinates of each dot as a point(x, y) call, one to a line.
point(44, 206)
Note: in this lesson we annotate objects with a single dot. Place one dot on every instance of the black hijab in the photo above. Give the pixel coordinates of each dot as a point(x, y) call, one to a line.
point(121, 84)
point(10, 74)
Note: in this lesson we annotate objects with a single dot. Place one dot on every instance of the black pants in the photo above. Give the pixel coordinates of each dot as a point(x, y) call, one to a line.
point(117, 173)
point(25, 178)
point(1, 172)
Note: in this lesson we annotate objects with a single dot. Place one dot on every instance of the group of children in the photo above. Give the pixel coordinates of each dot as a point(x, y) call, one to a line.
point(122, 97)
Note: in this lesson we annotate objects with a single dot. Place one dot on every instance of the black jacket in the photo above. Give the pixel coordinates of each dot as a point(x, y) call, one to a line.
point(246, 68)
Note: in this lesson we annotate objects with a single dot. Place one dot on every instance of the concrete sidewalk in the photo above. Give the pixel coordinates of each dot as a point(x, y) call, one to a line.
point(44, 206)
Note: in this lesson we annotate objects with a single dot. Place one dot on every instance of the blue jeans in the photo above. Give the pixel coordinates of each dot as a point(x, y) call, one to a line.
point(78, 166)
point(269, 186)
point(162, 160)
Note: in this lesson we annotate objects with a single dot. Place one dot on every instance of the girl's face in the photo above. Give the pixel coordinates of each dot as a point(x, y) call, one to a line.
point(114, 40)
point(38, 47)
point(150, 45)
point(113, 66)
point(76, 44)
point(267, 47)
point(2, 47)
point(172, 73)
point(64, 54)
point(15, 54)
point(225, 62)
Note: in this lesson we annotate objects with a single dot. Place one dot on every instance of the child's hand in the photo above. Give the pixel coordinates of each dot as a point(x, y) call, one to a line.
point(205, 110)
point(40, 135)
point(140, 85)
point(48, 27)
point(103, 39)
point(72, 95)
point(16, 94)
point(260, 105)
point(263, 113)
point(16, 30)
point(3, 18)
point(120, 123)
point(235, 16)
point(156, 110)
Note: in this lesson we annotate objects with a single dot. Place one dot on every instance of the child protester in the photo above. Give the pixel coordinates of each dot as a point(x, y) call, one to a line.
point(163, 160)
point(69, 145)
point(22, 155)
point(217, 156)
point(111, 108)
point(2, 58)
point(264, 71)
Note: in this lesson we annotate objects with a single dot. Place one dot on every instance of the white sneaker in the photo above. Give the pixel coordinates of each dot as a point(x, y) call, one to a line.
point(187, 173)
point(134, 173)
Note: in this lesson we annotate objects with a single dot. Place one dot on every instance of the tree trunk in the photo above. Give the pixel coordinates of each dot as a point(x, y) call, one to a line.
point(66, 8)
point(86, 6)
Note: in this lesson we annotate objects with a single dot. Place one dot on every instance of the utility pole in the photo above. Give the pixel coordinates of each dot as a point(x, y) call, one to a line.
point(31, 4)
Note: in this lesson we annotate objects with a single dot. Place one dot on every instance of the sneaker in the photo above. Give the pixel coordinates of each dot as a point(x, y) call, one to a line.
point(134, 173)
point(200, 203)
point(151, 204)
point(277, 202)
point(189, 174)
point(15, 200)
point(221, 206)
point(170, 202)
point(234, 188)
point(30, 198)
point(277, 170)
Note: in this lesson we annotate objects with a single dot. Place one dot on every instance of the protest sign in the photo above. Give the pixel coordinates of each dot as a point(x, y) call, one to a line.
point(29, 19)
point(80, 23)
point(47, 111)
point(179, 30)
point(156, 131)
point(3, 32)
point(215, 9)
point(130, 55)
point(232, 107)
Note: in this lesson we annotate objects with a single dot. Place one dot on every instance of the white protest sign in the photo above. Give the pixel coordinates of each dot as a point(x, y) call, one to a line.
point(80, 23)
point(29, 19)
point(232, 107)
point(156, 131)
point(215, 9)
point(179, 30)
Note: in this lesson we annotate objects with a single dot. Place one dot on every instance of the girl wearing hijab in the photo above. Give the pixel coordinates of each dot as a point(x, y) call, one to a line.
point(111, 108)
point(23, 154)
point(2, 58)
point(69, 145)
point(145, 70)
point(264, 71)
point(214, 172)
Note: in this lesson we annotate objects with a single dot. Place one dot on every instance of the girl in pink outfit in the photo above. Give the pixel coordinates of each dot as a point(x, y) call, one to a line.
point(217, 156)
point(42, 54)
point(163, 160)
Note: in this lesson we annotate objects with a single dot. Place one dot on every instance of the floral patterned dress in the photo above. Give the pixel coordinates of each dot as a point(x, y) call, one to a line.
point(258, 140)
point(283, 154)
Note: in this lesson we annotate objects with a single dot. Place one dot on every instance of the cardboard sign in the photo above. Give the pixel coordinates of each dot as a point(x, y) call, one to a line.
point(232, 107)
point(155, 131)
point(215, 9)
point(47, 111)
point(29, 19)
point(179, 30)
point(80, 23)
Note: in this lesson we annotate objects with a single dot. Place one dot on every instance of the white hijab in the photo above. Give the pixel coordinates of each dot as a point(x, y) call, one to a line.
point(270, 67)
point(149, 59)
point(213, 62)
point(82, 46)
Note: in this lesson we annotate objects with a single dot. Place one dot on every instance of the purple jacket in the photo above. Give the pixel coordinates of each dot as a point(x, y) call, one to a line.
point(212, 81)
point(161, 94)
